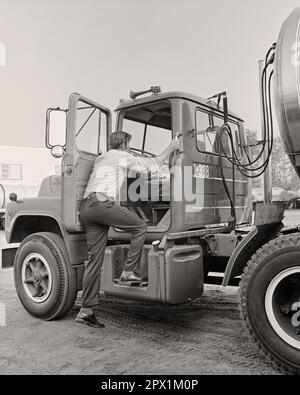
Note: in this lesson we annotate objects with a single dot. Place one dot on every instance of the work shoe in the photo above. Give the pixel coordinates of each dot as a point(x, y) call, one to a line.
point(89, 319)
point(130, 277)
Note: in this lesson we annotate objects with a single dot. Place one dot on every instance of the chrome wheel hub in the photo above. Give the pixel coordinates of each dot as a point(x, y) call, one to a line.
point(36, 277)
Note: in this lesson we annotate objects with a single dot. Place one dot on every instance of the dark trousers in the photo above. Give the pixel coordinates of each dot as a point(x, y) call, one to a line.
point(97, 217)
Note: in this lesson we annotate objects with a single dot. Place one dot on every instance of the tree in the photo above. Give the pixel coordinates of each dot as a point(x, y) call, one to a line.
point(254, 150)
point(283, 172)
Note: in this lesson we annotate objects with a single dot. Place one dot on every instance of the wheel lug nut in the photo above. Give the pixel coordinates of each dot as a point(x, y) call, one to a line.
point(285, 310)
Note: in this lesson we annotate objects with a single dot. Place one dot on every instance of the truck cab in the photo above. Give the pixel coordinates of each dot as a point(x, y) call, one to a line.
point(190, 185)
point(186, 196)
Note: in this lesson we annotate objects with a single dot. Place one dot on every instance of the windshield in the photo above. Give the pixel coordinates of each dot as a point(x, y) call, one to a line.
point(150, 127)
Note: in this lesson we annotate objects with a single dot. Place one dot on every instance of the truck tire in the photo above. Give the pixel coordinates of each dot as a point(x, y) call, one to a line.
point(44, 278)
point(270, 302)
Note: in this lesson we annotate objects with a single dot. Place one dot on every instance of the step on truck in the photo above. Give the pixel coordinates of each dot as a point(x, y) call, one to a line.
point(198, 207)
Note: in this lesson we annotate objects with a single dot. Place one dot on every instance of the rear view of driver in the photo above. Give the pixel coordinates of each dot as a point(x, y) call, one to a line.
point(100, 210)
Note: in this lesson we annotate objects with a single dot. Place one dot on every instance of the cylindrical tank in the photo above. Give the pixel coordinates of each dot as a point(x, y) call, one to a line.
point(22, 191)
point(287, 86)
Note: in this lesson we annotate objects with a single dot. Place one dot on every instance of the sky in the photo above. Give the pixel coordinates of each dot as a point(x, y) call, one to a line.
point(105, 48)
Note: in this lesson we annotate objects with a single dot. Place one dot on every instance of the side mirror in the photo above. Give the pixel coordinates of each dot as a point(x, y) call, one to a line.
point(56, 120)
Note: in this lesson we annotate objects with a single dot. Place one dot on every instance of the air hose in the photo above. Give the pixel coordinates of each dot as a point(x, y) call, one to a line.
point(250, 168)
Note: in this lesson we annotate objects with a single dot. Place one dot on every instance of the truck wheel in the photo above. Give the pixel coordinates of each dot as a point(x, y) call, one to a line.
point(270, 302)
point(44, 278)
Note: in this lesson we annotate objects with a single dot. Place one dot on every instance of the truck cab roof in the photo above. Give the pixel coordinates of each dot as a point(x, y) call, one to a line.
point(124, 104)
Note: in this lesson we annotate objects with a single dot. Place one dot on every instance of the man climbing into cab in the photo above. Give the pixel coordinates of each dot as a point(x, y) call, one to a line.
point(101, 209)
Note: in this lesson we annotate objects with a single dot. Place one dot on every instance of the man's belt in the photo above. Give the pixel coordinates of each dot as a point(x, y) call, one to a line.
point(101, 197)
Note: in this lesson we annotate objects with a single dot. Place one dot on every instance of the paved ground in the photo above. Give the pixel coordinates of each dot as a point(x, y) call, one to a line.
point(204, 337)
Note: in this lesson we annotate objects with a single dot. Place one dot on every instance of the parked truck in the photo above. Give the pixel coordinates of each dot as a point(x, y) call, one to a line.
point(192, 236)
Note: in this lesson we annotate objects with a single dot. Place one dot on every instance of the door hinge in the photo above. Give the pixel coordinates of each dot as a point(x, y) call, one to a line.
point(68, 170)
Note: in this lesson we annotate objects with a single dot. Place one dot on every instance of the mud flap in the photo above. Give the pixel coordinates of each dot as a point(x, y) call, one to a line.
point(7, 257)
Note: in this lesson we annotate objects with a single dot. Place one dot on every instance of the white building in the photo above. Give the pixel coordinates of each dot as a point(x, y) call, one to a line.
point(26, 165)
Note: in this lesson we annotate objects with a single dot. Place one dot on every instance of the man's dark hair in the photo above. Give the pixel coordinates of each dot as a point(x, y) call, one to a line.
point(117, 139)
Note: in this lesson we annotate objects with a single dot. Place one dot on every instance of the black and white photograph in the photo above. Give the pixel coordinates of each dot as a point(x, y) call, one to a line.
point(149, 191)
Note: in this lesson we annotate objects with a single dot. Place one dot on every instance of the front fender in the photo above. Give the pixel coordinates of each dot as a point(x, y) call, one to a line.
point(40, 206)
point(38, 210)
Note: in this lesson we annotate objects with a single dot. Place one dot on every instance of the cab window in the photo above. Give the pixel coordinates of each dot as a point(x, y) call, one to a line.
point(207, 134)
point(218, 122)
point(91, 123)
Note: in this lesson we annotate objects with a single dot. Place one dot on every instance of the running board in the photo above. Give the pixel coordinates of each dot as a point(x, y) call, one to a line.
point(131, 283)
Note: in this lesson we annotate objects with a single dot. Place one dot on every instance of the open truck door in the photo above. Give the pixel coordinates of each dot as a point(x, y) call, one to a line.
point(88, 125)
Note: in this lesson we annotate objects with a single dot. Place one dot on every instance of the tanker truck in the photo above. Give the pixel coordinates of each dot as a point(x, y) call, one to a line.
point(23, 192)
point(199, 220)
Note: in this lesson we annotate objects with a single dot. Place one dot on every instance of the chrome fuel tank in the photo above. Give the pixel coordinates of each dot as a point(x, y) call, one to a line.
point(287, 86)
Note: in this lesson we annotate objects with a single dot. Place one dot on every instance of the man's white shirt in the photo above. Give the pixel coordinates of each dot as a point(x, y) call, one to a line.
point(111, 169)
